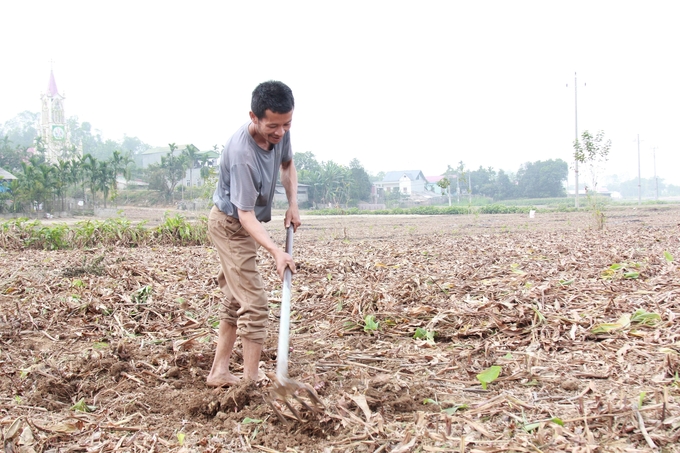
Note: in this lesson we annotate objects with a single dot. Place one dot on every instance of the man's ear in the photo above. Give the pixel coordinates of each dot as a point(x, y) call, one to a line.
point(253, 118)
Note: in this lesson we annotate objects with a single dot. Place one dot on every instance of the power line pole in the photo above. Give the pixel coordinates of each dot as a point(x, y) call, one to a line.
point(576, 135)
point(639, 179)
point(656, 180)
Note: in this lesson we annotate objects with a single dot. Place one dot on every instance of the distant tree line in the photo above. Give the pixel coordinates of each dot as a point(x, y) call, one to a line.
point(42, 185)
point(332, 183)
point(95, 172)
point(539, 179)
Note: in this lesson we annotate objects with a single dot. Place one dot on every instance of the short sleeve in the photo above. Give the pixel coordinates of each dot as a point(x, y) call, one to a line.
point(243, 187)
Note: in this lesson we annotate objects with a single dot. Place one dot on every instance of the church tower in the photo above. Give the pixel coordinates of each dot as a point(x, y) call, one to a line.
point(53, 130)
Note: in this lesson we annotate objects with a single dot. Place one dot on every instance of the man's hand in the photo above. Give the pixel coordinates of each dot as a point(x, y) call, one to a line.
point(292, 217)
point(283, 261)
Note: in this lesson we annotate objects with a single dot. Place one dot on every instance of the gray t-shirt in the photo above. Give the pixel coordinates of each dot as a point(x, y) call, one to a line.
point(248, 175)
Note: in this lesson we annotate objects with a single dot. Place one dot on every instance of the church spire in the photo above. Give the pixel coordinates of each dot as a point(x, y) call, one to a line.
point(52, 85)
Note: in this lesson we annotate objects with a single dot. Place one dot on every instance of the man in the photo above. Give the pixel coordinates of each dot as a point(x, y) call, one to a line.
point(243, 199)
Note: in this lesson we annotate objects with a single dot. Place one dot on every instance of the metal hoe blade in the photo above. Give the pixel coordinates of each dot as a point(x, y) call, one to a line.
point(284, 387)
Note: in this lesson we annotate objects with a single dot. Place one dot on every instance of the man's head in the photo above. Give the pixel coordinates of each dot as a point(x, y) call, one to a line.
point(271, 112)
point(274, 96)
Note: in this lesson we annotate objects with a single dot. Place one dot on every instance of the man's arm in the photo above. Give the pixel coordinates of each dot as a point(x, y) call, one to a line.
point(289, 181)
point(258, 232)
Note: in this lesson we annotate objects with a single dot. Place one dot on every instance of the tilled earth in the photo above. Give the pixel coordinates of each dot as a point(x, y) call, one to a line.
point(396, 322)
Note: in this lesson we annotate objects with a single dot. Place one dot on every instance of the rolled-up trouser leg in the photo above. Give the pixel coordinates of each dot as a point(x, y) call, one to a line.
point(245, 304)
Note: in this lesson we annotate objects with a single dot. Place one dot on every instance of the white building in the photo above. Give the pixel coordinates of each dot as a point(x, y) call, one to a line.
point(405, 182)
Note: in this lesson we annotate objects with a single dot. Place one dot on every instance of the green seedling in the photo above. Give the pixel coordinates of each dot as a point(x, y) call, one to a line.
point(539, 315)
point(141, 296)
point(455, 408)
point(77, 283)
point(248, 421)
point(668, 256)
point(81, 406)
point(370, 323)
point(180, 438)
point(607, 327)
point(641, 399)
point(424, 334)
point(644, 317)
point(529, 427)
point(489, 375)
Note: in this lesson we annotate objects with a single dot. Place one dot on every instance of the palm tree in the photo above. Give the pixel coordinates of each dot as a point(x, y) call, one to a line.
point(36, 181)
point(106, 178)
point(335, 182)
point(119, 163)
point(62, 173)
point(91, 176)
point(191, 153)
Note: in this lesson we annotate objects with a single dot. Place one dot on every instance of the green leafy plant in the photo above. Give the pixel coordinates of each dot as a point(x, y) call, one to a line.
point(248, 421)
point(644, 317)
point(668, 256)
point(424, 334)
point(641, 399)
point(370, 323)
point(81, 406)
point(141, 296)
point(489, 375)
point(455, 408)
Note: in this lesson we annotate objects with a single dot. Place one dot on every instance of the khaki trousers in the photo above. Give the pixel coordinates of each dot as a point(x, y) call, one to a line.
point(245, 304)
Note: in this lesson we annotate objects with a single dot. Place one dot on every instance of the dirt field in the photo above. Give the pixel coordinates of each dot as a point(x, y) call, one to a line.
point(108, 349)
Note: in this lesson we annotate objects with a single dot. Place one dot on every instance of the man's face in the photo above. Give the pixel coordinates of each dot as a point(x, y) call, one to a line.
point(273, 126)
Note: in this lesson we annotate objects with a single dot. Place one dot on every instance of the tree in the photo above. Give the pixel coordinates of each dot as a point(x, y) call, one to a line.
point(483, 181)
point(593, 152)
point(106, 178)
point(191, 155)
point(542, 179)
point(360, 185)
point(165, 176)
point(10, 156)
point(22, 129)
point(335, 182)
point(91, 176)
point(36, 182)
point(62, 178)
point(504, 189)
point(306, 162)
point(133, 145)
point(309, 173)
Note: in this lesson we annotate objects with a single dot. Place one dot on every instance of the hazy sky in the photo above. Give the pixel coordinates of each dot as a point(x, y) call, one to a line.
point(396, 84)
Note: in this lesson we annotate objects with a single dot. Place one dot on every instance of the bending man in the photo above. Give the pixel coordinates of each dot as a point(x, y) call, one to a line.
point(249, 168)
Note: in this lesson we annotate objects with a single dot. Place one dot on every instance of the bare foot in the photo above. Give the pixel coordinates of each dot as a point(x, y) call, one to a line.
point(223, 380)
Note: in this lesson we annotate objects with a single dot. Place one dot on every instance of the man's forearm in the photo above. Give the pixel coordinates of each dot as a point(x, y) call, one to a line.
point(257, 231)
point(289, 181)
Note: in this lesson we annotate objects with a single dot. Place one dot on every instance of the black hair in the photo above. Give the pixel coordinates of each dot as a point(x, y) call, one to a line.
point(272, 95)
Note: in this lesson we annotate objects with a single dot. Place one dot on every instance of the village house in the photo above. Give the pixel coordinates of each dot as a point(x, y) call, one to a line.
point(405, 182)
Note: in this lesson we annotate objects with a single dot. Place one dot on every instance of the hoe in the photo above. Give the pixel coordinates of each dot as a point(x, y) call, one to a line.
point(284, 387)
